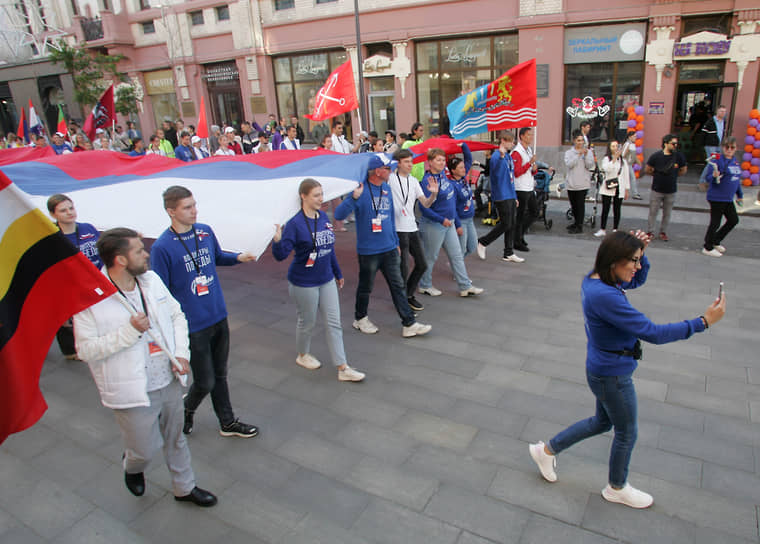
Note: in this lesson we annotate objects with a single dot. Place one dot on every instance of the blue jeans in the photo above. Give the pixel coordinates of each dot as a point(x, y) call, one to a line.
point(469, 238)
point(435, 236)
point(615, 407)
point(209, 349)
point(389, 263)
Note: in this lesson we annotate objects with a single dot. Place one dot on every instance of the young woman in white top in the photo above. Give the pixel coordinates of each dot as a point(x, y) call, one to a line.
point(615, 186)
point(223, 149)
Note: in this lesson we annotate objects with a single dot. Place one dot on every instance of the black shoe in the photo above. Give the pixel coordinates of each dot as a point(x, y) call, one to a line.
point(135, 483)
point(238, 428)
point(521, 247)
point(187, 428)
point(415, 304)
point(198, 496)
point(574, 229)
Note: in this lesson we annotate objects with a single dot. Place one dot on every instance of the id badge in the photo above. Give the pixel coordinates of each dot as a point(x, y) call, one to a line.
point(403, 212)
point(311, 260)
point(377, 224)
point(154, 350)
point(201, 286)
point(467, 207)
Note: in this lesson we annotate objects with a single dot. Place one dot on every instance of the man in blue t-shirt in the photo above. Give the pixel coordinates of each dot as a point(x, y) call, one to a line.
point(185, 256)
point(183, 151)
point(377, 246)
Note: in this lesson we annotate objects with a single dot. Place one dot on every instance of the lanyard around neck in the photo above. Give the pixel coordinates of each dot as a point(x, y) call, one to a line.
point(196, 263)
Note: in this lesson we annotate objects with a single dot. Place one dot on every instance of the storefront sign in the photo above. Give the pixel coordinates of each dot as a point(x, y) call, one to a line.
point(311, 65)
point(701, 49)
point(160, 82)
point(606, 43)
point(588, 108)
point(656, 108)
point(464, 54)
point(221, 72)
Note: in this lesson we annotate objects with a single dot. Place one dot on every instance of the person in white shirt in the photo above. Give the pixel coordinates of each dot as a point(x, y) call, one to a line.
point(290, 143)
point(406, 190)
point(198, 148)
point(339, 142)
point(263, 143)
point(223, 149)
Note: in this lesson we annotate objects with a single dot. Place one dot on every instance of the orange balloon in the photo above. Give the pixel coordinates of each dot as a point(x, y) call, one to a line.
point(631, 110)
point(751, 131)
point(746, 165)
point(755, 152)
point(640, 126)
point(749, 148)
point(640, 156)
point(640, 118)
point(754, 114)
point(639, 141)
point(747, 182)
point(754, 169)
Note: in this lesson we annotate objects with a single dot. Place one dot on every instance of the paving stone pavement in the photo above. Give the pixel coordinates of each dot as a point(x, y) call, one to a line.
point(432, 447)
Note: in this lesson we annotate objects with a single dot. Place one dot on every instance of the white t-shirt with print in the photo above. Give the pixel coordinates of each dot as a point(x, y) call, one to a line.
point(405, 191)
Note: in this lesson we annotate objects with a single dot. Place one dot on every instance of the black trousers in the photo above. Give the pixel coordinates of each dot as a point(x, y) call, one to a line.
point(719, 210)
point(65, 336)
point(578, 205)
point(505, 226)
point(410, 244)
point(527, 211)
point(615, 202)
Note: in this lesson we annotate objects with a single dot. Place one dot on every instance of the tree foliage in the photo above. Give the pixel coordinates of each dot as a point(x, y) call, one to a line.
point(92, 72)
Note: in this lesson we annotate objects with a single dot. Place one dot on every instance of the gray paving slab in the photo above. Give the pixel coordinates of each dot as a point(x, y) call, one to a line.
point(432, 447)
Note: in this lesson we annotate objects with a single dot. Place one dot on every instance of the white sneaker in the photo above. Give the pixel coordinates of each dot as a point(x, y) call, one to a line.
point(546, 463)
point(481, 251)
point(471, 291)
point(719, 248)
point(308, 361)
point(432, 291)
point(629, 496)
point(365, 325)
point(600, 233)
point(349, 374)
point(712, 253)
point(415, 329)
point(513, 259)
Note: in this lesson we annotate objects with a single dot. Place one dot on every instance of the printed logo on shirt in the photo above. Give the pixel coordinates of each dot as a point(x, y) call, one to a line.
point(87, 236)
point(328, 226)
point(325, 237)
point(193, 285)
point(89, 249)
point(204, 257)
point(202, 234)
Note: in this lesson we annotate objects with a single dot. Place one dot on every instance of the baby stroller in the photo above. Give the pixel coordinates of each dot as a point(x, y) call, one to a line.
point(543, 178)
point(597, 177)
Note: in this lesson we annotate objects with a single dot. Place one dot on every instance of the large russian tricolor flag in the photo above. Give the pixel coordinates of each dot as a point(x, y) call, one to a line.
point(241, 197)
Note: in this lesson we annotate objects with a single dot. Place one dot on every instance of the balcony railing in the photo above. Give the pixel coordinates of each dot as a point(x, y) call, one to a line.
point(93, 29)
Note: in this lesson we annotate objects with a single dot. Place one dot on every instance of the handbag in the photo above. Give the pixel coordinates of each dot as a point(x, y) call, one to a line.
point(613, 183)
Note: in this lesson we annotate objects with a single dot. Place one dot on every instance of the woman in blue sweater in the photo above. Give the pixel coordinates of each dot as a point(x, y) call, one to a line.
point(724, 175)
point(314, 278)
point(438, 229)
point(613, 330)
point(458, 169)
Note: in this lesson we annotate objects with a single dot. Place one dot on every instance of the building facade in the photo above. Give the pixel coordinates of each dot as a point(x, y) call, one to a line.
point(247, 59)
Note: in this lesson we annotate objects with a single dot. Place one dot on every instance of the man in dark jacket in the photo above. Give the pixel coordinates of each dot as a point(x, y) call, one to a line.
point(714, 130)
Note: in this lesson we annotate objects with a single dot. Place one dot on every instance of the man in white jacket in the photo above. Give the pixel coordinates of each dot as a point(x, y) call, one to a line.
point(119, 339)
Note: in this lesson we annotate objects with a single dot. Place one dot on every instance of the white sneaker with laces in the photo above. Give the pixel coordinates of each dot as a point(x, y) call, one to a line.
point(432, 291)
point(308, 361)
point(712, 252)
point(546, 463)
point(600, 233)
point(349, 374)
point(719, 248)
point(481, 251)
point(415, 329)
point(365, 325)
point(513, 259)
point(471, 291)
point(629, 496)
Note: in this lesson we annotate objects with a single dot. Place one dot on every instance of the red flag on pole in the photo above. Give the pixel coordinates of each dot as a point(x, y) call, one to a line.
point(103, 114)
point(23, 128)
point(337, 95)
point(202, 130)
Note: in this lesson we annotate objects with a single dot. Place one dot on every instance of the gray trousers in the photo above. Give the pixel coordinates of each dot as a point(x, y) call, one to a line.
point(657, 200)
point(144, 429)
point(325, 299)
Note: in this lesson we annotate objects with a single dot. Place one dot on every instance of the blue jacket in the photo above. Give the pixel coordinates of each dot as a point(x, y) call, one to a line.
point(298, 234)
point(612, 324)
point(170, 260)
point(184, 153)
point(445, 204)
point(729, 182)
point(465, 204)
point(368, 242)
point(502, 175)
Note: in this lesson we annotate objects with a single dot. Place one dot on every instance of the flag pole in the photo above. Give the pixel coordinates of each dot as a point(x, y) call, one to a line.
point(360, 63)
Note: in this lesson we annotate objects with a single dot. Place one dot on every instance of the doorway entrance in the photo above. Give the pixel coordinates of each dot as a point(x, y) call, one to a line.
point(699, 93)
point(382, 111)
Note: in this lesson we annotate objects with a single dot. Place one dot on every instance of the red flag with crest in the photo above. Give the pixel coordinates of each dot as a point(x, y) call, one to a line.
point(337, 95)
point(103, 114)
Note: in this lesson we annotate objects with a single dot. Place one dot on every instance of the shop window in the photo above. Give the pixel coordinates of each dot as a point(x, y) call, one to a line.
point(601, 93)
point(143, 4)
point(222, 13)
point(148, 27)
point(196, 17)
point(284, 4)
point(448, 68)
point(700, 71)
point(720, 23)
